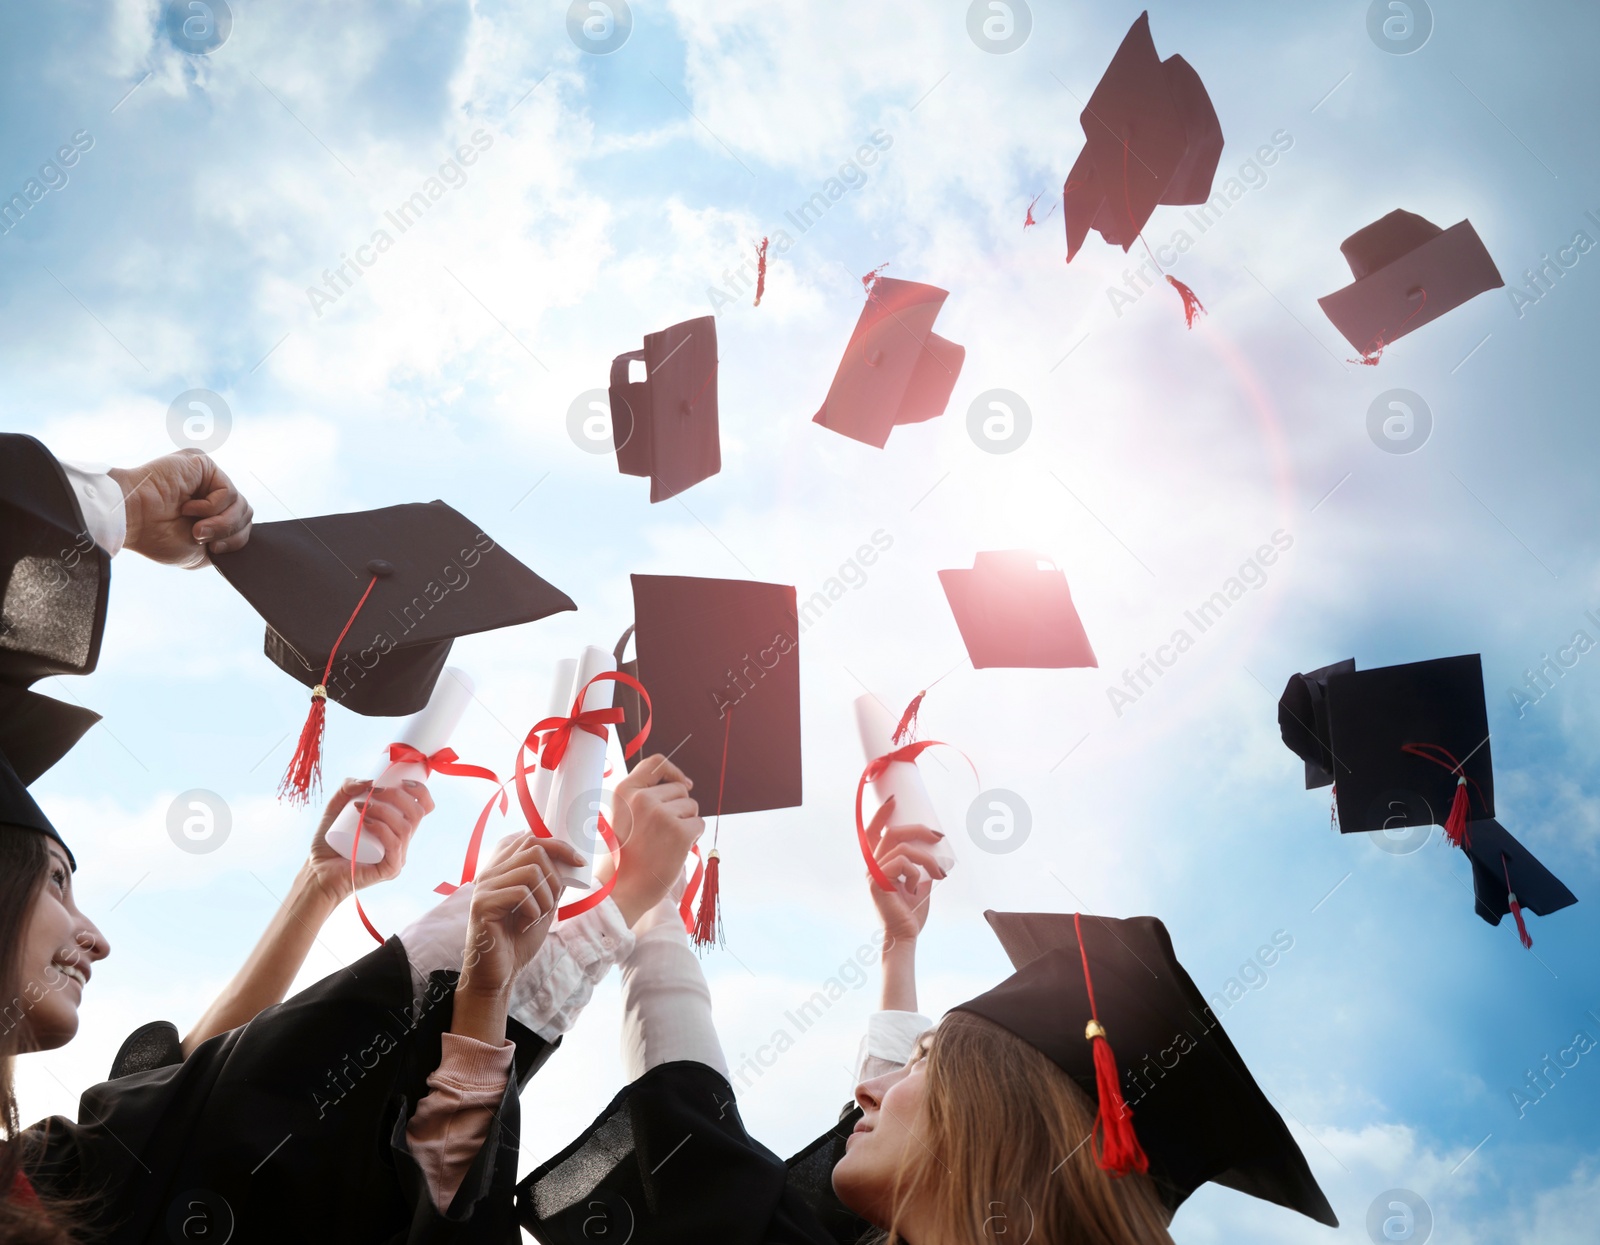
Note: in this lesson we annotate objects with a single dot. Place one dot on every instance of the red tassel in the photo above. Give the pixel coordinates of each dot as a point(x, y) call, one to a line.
point(1120, 1151)
point(761, 271)
point(1455, 825)
point(305, 766)
point(1522, 926)
point(871, 279)
point(1191, 304)
point(907, 726)
point(1030, 222)
point(708, 922)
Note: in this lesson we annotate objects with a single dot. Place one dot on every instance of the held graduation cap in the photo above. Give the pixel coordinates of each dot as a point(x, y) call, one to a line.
point(363, 608)
point(1407, 272)
point(721, 661)
point(1013, 611)
point(896, 369)
point(1152, 138)
point(1184, 1107)
point(665, 426)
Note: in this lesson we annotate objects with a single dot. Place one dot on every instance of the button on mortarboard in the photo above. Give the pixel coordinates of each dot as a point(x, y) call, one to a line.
point(1014, 612)
point(665, 426)
point(895, 369)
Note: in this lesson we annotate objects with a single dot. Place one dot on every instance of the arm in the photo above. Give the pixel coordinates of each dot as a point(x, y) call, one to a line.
point(322, 884)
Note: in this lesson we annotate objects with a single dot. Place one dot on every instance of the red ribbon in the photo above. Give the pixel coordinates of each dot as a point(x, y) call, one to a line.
point(875, 769)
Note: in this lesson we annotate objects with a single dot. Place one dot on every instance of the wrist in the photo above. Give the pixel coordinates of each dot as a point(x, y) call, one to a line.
point(312, 897)
point(479, 1014)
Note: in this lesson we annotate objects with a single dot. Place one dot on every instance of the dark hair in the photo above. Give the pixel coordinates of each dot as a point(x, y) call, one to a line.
point(24, 865)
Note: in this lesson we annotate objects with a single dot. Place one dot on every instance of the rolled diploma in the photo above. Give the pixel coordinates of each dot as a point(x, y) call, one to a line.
point(427, 732)
point(582, 770)
point(562, 690)
point(900, 779)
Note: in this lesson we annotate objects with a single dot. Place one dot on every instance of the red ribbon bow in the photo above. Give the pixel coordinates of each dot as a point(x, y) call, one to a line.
point(875, 769)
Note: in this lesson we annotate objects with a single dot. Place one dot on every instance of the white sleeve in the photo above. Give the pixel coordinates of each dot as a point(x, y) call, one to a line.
point(105, 517)
point(666, 1003)
point(890, 1040)
point(554, 987)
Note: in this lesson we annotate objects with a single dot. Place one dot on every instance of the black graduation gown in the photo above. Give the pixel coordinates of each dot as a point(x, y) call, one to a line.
point(290, 1128)
point(669, 1162)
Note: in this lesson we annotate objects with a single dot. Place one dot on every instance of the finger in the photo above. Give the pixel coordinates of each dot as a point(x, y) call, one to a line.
point(228, 520)
point(896, 835)
point(382, 813)
point(921, 855)
point(684, 808)
point(239, 531)
point(393, 844)
point(879, 820)
point(908, 875)
point(403, 800)
point(666, 791)
point(348, 790)
point(666, 770)
point(424, 797)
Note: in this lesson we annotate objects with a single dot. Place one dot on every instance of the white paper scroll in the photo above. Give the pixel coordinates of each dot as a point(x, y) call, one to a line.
point(901, 779)
point(575, 795)
point(562, 690)
point(427, 732)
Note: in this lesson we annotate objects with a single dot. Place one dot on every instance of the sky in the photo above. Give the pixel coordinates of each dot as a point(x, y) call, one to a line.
point(616, 192)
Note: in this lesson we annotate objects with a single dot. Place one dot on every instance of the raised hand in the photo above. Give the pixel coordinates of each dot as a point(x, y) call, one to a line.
point(657, 822)
point(393, 814)
point(906, 855)
point(181, 505)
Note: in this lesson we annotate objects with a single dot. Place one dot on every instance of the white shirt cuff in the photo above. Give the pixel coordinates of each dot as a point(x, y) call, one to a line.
point(551, 992)
point(105, 517)
point(890, 1039)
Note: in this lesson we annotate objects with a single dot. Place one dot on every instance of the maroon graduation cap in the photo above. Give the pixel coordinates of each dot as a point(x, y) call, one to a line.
point(665, 426)
point(896, 369)
point(1407, 272)
point(1152, 137)
point(1012, 611)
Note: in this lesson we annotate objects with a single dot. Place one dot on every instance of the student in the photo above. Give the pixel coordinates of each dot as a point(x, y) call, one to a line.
point(1004, 1123)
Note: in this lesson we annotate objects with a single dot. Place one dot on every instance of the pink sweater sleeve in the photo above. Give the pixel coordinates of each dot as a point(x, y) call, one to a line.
point(450, 1123)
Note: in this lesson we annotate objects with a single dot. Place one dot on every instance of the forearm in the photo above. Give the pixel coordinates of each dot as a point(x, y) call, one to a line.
point(899, 975)
point(480, 1013)
point(271, 968)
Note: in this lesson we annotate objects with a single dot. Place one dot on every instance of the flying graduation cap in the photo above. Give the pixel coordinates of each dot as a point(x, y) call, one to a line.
point(1084, 985)
point(1014, 609)
point(665, 426)
point(1507, 877)
point(721, 661)
point(1152, 137)
point(1407, 272)
point(896, 369)
point(363, 608)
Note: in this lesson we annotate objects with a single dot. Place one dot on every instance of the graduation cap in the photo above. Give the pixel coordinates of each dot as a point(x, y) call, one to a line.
point(1407, 272)
point(35, 733)
point(896, 369)
point(1303, 720)
point(1411, 744)
point(1507, 877)
point(1014, 612)
point(1152, 137)
point(721, 661)
point(1192, 1112)
point(665, 426)
point(54, 579)
point(362, 608)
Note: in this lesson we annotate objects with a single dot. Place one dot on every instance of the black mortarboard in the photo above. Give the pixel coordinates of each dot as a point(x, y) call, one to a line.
point(1399, 733)
point(1014, 612)
point(1503, 868)
point(708, 648)
point(1407, 272)
point(1303, 720)
point(896, 369)
point(1153, 137)
point(54, 579)
point(1197, 1112)
point(364, 607)
point(665, 426)
point(35, 733)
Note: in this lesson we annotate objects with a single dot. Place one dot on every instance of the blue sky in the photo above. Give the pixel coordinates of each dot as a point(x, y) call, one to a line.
point(613, 194)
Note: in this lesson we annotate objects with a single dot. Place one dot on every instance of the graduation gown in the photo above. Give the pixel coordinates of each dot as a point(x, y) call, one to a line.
point(669, 1162)
point(288, 1128)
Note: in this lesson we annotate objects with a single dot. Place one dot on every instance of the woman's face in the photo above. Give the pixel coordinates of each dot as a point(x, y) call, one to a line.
point(59, 947)
point(890, 1132)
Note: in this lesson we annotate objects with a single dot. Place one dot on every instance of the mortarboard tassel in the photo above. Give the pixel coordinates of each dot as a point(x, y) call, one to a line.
point(871, 279)
point(1120, 1151)
point(761, 271)
point(1455, 822)
point(708, 923)
point(304, 774)
point(1192, 306)
point(1030, 221)
point(1516, 908)
point(1371, 355)
point(907, 726)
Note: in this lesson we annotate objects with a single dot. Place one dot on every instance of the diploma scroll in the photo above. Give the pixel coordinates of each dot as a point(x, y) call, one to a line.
point(900, 779)
point(427, 732)
point(575, 795)
point(562, 689)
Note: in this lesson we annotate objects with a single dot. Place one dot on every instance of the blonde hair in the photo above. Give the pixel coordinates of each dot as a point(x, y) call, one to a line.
point(1005, 1155)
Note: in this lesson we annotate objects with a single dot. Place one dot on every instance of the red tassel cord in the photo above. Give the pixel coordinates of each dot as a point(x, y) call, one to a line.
point(1030, 222)
point(761, 271)
point(1371, 355)
point(304, 774)
point(1455, 822)
point(1516, 908)
point(708, 924)
point(1192, 306)
point(1119, 1148)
